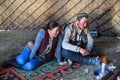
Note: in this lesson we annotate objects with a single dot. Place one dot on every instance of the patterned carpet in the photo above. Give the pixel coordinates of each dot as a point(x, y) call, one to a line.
point(48, 71)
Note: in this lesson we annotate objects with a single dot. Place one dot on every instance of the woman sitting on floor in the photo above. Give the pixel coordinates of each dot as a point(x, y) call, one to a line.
point(42, 51)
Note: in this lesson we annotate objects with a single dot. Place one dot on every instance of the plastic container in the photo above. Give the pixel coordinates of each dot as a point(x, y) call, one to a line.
point(103, 67)
point(97, 67)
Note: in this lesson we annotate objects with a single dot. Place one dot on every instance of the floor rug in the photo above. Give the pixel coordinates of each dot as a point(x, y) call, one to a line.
point(48, 71)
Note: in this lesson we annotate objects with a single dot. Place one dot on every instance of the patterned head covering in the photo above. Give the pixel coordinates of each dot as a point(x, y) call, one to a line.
point(80, 15)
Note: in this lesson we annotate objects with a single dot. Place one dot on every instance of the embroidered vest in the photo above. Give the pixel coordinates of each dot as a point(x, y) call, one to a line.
point(49, 56)
point(74, 34)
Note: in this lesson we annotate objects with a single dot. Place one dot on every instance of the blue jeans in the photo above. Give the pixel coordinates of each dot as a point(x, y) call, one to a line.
point(77, 57)
point(23, 59)
point(34, 63)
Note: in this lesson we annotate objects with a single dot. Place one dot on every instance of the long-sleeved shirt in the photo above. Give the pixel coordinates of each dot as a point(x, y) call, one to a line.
point(38, 40)
point(75, 48)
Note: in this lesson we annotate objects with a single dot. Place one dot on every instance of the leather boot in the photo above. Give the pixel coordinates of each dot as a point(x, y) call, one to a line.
point(5, 64)
point(13, 56)
point(10, 63)
point(13, 62)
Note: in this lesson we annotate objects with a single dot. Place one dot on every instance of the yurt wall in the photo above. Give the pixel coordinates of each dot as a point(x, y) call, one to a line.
point(33, 14)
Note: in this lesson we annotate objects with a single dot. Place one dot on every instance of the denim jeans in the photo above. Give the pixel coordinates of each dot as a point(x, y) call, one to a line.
point(32, 64)
point(77, 57)
point(23, 59)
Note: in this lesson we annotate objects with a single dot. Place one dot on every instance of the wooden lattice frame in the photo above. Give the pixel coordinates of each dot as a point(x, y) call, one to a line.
point(63, 9)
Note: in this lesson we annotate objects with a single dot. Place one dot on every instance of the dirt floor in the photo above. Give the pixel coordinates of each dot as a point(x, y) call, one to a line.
point(12, 42)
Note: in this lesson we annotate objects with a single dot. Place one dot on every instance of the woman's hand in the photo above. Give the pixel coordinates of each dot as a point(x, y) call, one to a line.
point(63, 63)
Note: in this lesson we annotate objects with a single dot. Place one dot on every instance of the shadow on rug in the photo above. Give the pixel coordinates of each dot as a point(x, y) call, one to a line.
point(48, 71)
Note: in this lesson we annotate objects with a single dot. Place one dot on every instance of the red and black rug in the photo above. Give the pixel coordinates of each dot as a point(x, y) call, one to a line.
point(48, 71)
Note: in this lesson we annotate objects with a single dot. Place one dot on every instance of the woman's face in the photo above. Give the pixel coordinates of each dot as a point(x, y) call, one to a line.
point(54, 32)
point(82, 23)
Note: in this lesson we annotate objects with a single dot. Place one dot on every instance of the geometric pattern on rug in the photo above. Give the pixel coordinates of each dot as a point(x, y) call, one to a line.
point(47, 71)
